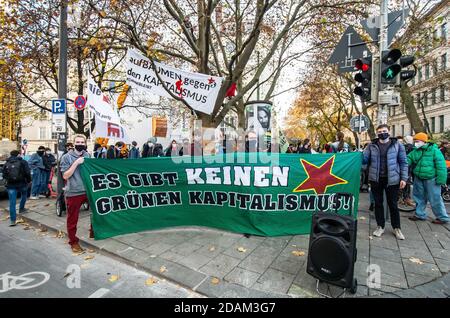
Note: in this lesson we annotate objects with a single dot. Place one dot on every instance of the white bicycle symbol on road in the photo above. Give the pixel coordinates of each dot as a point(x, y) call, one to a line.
point(25, 281)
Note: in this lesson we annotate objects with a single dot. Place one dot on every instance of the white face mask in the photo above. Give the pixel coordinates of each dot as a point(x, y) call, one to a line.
point(419, 144)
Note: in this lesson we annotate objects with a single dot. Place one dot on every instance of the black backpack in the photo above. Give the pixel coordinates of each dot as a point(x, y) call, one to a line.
point(14, 172)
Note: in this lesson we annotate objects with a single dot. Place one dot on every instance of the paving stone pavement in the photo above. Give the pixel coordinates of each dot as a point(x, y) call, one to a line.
point(196, 257)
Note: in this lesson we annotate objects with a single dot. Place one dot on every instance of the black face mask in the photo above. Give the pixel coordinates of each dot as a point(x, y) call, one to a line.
point(40, 153)
point(80, 147)
point(383, 136)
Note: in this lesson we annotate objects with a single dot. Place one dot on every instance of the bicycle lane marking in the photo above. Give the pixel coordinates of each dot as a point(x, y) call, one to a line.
point(10, 282)
point(99, 293)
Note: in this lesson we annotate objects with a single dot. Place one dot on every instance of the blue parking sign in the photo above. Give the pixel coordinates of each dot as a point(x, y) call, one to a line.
point(58, 106)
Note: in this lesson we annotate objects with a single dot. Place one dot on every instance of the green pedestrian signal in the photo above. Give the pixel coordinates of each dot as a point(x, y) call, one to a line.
point(389, 68)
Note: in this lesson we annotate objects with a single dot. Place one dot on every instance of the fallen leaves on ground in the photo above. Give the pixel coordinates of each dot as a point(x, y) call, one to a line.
point(298, 253)
point(90, 250)
point(212, 249)
point(362, 218)
point(59, 234)
point(67, 275)
point(89, 257)
point(5, 218)
point(242, 250)
point(370, 237)
point(42, 229)
point(26, 228)
point(78, 254)
point(416, 260)
point(20, 220)
point(152, 256)
point(150, 281)
point(215, 280)
point(113, 278)
point(84, 265)
point(163, 269)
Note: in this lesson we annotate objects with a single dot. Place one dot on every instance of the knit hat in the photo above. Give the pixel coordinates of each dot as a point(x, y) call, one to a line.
point(421, 136)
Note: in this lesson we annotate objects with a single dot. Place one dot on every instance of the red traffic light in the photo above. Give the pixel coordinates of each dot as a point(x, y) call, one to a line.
point(362, 65)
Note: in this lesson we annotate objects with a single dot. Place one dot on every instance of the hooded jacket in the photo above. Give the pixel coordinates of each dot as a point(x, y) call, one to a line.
point(74, 185)
point(397, 166)
point(428, 163)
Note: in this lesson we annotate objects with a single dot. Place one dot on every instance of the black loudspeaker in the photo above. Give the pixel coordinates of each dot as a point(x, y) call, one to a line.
point(332, 248)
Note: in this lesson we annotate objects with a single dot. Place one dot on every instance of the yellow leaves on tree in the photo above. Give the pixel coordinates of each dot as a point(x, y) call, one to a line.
point(123, 96)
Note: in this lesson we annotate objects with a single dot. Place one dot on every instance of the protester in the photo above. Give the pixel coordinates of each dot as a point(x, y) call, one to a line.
point(37, 167)
point(69, 146)
point(75, 192)
point(16, 173)
point(388, 171)
point(49, 162)
point(340, 145)
point(409, 144)
point(445, 149)
point(123, 150)
point(430, 172)
point(173, 150)
point(291, 149)
point(99, 151)
point(152, 148)
point(306, 147)
point(134, 151)
point(112, 152)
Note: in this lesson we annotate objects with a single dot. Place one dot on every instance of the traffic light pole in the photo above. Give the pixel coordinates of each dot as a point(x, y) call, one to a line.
point(62, 87)
point(383, 46)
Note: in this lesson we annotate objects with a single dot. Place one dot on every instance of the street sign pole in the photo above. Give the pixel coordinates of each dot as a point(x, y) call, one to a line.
point(62, 87)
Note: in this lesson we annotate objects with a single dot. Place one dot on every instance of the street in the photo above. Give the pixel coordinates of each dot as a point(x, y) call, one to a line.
point(27, 251)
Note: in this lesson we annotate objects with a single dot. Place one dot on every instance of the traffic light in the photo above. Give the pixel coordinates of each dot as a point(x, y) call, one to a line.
point(364, 76)
point(404, 62)
point(389, 68)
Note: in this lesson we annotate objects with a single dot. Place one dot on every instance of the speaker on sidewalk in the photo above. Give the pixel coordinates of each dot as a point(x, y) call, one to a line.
point(332, 249)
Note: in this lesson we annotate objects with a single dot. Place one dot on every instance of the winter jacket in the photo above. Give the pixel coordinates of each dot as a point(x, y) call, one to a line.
point(25, 172)
point(49, 161)
point(36, 161)
point(397, 166)
point(428, 163)
point(134, 153)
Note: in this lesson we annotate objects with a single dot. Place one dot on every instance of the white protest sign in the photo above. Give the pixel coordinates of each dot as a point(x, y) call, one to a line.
point(198, 90)
point(100, 104)
point(105, 129)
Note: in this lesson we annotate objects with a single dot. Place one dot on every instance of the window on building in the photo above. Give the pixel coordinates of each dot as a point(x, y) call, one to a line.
point(425, 99)
point(427, 71)
point(433, 124)
point(435, 67)
point(444, 61)
point(433, 96)
point(42, 133)
point(403, 130)
point(393, 130)
point(441, 123)
point(419, 75)
point(54, 135)
point(444, 32)
point(442, 93)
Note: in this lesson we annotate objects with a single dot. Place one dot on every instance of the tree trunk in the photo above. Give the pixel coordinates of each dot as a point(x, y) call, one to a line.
point(410, 110)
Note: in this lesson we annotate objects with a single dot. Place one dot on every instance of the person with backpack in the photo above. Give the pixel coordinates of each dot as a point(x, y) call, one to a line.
point(17, 174)
point(37, 167)
point(49, 162)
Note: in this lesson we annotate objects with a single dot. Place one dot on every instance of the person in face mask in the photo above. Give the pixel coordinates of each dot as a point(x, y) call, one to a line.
point(386, 161)
point(430, 172)
point(147, 148)
point(37, 168)
point(75, 192)
point(49, 162)
point(173, 150)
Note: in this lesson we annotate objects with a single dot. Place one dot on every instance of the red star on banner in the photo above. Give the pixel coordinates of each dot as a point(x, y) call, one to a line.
point(211, 80)
point(319, 178)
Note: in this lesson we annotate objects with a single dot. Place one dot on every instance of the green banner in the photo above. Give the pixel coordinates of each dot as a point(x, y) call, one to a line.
point(239, 192)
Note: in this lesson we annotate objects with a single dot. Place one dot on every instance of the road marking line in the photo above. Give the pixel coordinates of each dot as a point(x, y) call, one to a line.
point(99, 293)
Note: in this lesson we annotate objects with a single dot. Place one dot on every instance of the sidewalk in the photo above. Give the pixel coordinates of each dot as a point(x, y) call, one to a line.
point(222, 264)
